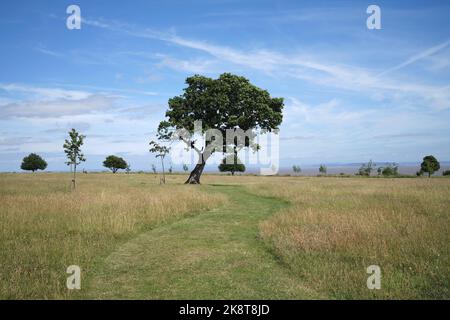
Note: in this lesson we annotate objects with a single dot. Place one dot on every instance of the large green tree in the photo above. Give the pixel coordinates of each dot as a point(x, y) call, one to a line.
point(430, 165)
point(229, 103)
point(33, 162)
point(114, 163)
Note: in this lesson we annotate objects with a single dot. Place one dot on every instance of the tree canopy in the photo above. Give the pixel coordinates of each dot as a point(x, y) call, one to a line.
point(430, 165)
point(229, 103)
point(33, 162)
point(115, 163)
point(231, 164)
point(72, 149)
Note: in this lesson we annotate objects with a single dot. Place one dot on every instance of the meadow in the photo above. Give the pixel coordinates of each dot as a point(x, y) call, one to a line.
point(238, 237)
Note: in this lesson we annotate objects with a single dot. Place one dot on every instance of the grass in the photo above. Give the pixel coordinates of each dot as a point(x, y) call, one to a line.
point(44, 227)
point(336, 228)
point(233, 237)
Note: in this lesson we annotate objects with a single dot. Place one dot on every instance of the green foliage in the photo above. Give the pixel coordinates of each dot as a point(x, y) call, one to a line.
point(33, 162)
point(446, 173)
point(230, 102)
point(389, 170)
point(114, 163)
point(161, 152)
point(323, 169)
point(366, 169)
point(296, 169)
point(72, 149)
point(430, 165)
point(231, 164)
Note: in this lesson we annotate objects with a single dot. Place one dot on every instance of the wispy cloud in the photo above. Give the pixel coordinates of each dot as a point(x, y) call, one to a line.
point(46, 93)
point(304, 66)
point(56, 108)
point(419, 56)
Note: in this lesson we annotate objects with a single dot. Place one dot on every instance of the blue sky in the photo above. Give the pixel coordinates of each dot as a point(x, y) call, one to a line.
point(351, 94)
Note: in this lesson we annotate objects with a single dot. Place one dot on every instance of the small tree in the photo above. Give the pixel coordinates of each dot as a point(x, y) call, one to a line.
point(153, 168)
point(161, 152)
point(231, 164)
point(72, 148)
point(430, 165)
point(185, 168)
point(296, 169)
point(446, 173)
point(323, 169)
point(366, 169)
point(390, 170)
point(115, 163)
point(33, 162)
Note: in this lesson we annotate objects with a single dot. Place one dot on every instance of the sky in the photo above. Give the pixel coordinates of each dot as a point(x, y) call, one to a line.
point(351, 93)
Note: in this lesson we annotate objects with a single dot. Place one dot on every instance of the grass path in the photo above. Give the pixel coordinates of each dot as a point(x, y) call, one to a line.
point(214, 255)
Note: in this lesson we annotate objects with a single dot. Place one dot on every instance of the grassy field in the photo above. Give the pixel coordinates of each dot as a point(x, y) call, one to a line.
point(232, 237)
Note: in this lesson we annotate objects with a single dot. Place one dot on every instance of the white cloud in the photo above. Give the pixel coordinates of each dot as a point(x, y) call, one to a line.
point(46, 93)
point(307, 67)
point(419, 56)
point(56, 108)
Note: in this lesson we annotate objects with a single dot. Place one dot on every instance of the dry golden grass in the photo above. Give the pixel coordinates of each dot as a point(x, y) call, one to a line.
point(337, 227)
point(45, 227)
point(334, 229)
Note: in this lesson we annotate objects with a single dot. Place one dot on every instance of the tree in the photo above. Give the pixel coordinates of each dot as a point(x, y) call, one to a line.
point(296, 169)
point(161, 152)
point(231, 164)
point(114, 163)
point(72, 148)
point(390, 170)
point(33, 162)
point(366, 169)
point(446, 173)
point(323, 169)
point(430, 165)
point(228, 105)
point(185, 167)
point(154, 168)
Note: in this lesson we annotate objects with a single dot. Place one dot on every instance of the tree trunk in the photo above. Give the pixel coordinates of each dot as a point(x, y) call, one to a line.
point(74, 176)
point(164, 174)
point(194, 177)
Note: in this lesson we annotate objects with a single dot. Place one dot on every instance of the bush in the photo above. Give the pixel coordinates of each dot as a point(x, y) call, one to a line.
point(33, 162)
point(115, 163)
point(390, 170)
point(446, 173)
